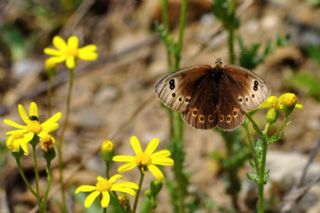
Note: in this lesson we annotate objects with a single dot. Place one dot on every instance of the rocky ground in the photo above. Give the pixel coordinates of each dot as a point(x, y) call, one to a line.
point(114, 97)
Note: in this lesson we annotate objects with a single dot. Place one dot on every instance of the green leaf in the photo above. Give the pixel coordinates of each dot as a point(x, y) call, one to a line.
point(253, 177)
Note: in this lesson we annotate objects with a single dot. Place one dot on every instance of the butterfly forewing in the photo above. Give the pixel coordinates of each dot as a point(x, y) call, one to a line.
point(175, 90)
point(247, 88)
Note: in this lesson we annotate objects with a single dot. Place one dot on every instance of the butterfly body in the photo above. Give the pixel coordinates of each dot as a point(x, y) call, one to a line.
point(210, 96)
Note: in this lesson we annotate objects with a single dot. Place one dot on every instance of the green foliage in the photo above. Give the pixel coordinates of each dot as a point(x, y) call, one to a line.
point(3, 155)
point(313, 3)
point(150, 201)
point(225, 11)
point(307, 83)
point(314, 53)
point(12, 38)
point(251, 56)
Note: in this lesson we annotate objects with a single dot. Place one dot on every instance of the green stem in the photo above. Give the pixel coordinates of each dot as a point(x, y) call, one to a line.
point(231, 45)
point(251, 145)
point(261, 176)
point(24, 178)
point(138, 192)
point(104, 210)
point(182, 25)
point(255, 125)
point(165, 20)
point(49, 181)
point(107, 169)
point(49, 94)
point(36, 172)
point(61, 138)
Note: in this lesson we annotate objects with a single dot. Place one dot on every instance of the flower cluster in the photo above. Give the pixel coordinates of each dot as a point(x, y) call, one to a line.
point(24, 133)
point(143, 160)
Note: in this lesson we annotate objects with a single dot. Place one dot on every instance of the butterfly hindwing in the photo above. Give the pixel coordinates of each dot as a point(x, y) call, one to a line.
point(175, 90)
point(230, 115)
point(202, 112)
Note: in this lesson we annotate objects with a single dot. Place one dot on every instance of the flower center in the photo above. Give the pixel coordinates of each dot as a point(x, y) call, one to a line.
point(71, 52)
point(34, 126)
point(103, 186)
point(143, 159)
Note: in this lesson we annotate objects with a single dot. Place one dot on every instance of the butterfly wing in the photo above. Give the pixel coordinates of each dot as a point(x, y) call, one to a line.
point(203, 110)
point(247, 88)
point(176, 90)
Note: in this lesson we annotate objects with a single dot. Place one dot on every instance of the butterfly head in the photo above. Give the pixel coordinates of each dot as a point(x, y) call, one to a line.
point(218, 62)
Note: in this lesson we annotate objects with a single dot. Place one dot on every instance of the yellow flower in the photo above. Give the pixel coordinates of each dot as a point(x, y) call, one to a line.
point(104, 187)
point(46, 141)
point(286, 99)
point(145, 160)
point(17, 141)
point(69, 51)
point(32, 124)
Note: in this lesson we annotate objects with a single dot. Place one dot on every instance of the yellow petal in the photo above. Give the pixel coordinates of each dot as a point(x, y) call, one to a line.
point(272, 101)
point(105, 199)
point(123, 189)
point(89, 48)
point(50, 51)
point(24, 146)
point(85, 188)
point(161, 154)
point(73, 42)
point(163, 161)
point(127, 166)
point(70, 62)
point(100, 179)
point(127, 184)
point(89, 56)
point(33, 109)
point(29, 136)
point(135, 144)
point(155, 171)
point(58, 59)
point(52, 119)
point(23, 114)
point(14, 132)
point(115, 177)
point(13, 124)
point(50, 127)
point(299, 106)
point(152, 146)
point(89, 200)
point(123, 158)
point(59, 43)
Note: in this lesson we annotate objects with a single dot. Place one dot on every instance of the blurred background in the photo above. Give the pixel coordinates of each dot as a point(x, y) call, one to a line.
point(114, 96)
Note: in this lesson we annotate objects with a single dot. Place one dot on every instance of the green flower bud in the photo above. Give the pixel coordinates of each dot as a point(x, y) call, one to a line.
point(272, 115)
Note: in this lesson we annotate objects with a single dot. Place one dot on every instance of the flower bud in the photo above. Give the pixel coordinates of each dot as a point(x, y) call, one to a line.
point(288, 102)
point(107, 150)
point(272, 115)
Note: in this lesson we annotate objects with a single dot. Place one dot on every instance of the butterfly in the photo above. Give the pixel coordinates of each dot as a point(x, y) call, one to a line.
point(210, 97)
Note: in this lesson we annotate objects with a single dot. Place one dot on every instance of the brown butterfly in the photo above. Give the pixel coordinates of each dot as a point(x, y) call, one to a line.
point(215, 96)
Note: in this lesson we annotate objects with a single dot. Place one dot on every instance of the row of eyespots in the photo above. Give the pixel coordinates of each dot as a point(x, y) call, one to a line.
point(186, 99)
point(228, 118)
point(194, 113)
